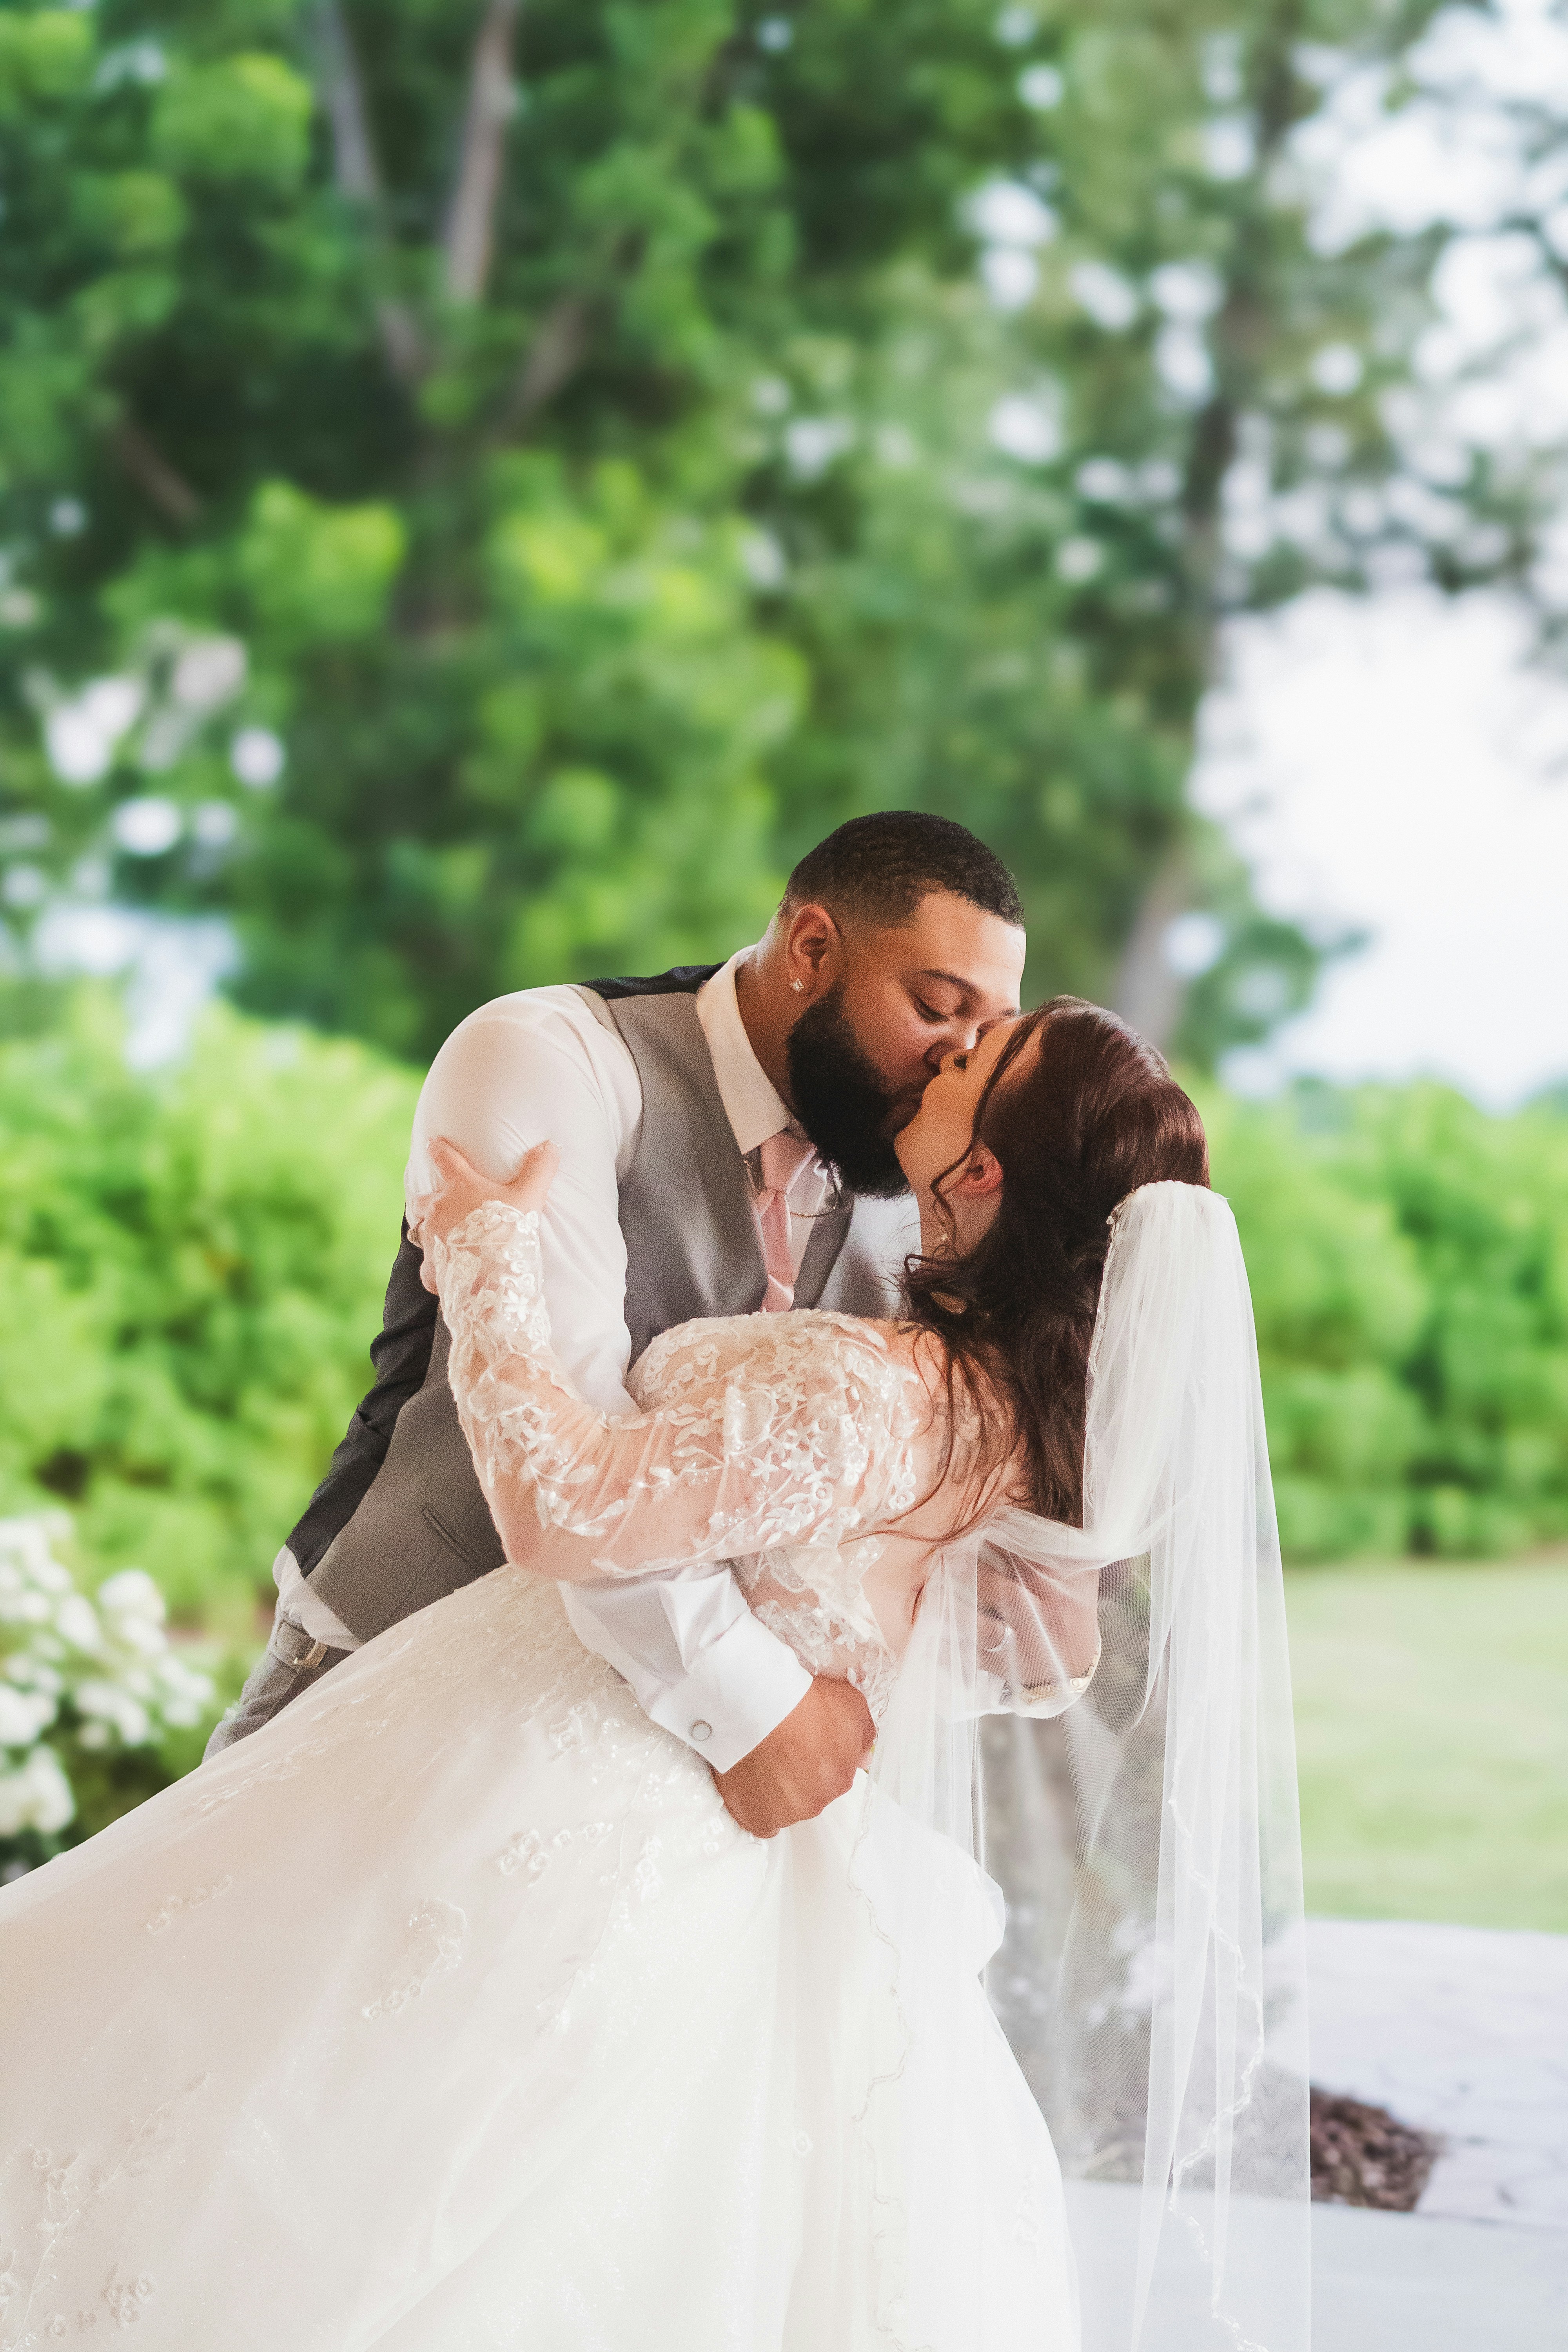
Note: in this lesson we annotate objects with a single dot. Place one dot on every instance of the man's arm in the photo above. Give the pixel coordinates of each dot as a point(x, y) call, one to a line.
point(306, 1638)
point(401, 1355)
point(698, 1661)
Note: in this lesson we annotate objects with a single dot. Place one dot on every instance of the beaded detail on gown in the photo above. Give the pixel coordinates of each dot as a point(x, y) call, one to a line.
point(452, 2011)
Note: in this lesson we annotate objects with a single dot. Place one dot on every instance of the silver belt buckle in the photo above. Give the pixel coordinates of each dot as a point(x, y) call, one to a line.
point(283, 1640)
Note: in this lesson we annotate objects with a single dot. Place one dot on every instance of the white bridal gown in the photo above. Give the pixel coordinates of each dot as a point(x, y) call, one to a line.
point(452, 2009)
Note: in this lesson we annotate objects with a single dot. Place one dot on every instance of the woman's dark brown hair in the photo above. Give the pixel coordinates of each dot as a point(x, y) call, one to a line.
point(1095, 1114)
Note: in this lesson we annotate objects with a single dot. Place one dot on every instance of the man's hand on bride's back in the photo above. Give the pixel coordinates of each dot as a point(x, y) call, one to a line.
point(460, 1187)
point(804, 1763)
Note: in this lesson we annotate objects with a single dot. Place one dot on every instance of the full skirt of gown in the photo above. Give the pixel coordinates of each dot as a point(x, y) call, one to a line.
point(452, 2011)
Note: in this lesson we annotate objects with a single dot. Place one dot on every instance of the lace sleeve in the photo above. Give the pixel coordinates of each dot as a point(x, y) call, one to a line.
point(774, 1429)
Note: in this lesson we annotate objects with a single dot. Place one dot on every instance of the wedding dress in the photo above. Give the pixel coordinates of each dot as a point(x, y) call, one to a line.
point(452, 2009)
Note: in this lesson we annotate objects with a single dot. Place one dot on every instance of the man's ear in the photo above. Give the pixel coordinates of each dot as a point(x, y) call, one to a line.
point(813, 944)
point(979, 1175)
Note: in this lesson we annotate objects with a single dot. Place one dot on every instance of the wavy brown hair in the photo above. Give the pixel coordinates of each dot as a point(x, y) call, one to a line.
point(1085, 1121)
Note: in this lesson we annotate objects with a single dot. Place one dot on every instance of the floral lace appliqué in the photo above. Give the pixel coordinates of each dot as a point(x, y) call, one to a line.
point(174, 1905)
point(777, 1443)
point(65, 2190)
point(436, 1934)
point(529, 1854)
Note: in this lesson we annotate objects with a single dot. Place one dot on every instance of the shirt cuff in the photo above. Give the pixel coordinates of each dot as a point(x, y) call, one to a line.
point(304, 1610)
point(721, 1693)
point(742, 1687)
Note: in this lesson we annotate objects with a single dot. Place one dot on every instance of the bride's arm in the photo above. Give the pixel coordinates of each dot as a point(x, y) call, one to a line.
point(805, 1436)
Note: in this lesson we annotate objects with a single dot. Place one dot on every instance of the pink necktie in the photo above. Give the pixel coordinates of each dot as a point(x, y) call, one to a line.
point(783, 1156)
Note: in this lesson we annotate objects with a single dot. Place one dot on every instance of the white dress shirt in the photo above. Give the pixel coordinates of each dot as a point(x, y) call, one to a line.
point(541, 1063)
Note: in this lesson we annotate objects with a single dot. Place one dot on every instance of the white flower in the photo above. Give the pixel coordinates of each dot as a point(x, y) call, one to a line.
point(108, 1703)
point(23, 1715)
point(36, 1797)
point(131, 1593)
point(132, 1610)
point(31, 1674)
point(183, 1694)
point(142, 1639)
point(76, 1621)
point(111, 1663)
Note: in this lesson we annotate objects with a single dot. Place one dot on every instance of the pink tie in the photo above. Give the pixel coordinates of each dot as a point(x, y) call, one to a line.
point(783, 1156)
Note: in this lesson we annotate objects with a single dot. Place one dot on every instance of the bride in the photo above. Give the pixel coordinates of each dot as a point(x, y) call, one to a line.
point(453, 2010)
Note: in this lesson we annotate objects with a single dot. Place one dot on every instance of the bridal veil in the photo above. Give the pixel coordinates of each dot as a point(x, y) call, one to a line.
point(1144, 1831)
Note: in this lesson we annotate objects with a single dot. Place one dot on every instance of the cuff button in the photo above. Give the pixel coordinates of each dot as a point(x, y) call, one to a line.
point(701, 1730)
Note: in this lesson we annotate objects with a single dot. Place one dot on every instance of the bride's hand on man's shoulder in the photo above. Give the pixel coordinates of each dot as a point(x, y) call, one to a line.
point(460, 1187)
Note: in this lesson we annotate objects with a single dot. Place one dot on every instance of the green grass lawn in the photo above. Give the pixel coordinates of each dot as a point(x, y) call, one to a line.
point(1432, 1727)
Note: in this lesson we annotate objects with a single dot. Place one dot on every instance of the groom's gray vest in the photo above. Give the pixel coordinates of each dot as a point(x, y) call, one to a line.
point(423, 1526)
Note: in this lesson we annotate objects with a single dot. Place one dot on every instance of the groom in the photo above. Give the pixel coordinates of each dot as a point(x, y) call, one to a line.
point(726, 1148)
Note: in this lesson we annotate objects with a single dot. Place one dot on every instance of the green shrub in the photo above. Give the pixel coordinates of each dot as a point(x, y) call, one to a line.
point(1409, 1265)
point(192, 1265)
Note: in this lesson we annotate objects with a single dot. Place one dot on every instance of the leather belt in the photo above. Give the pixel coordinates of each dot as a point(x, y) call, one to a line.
point(292, 1647)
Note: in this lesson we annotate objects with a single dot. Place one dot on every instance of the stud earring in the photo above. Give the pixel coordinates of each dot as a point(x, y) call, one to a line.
point(797, 985)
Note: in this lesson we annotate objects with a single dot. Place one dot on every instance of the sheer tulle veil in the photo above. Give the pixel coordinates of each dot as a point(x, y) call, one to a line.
point(1144, 1831)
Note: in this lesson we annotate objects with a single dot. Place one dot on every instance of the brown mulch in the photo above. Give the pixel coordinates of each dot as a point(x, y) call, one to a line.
point(1365, 2156)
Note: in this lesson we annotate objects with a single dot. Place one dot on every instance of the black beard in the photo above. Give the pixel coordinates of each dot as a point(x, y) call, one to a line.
point(841, 1102)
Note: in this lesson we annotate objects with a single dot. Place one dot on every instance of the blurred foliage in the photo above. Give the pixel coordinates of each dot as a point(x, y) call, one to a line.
point(193, 1266)
point(481, 488)
point(1409, 1265)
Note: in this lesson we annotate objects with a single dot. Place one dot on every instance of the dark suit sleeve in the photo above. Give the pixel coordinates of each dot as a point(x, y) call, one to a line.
point(401, 1354)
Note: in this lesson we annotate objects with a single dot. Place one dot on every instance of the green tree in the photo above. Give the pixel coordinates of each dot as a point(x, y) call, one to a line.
point(479, 488)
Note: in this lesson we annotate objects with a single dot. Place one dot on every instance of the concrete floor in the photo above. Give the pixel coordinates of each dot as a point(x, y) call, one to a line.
point(1380, 2283)
point(1462, 2031)
point(1400, 2282)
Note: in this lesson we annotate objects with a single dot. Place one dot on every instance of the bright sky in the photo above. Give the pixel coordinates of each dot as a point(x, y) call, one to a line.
point(1399, 765)
point(1389, 768)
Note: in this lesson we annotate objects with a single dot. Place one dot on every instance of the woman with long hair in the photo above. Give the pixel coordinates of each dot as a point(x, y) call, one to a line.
point(452, 2009)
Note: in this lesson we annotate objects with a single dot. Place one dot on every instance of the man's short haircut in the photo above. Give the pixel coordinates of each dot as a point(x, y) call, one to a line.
point(877, 869)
